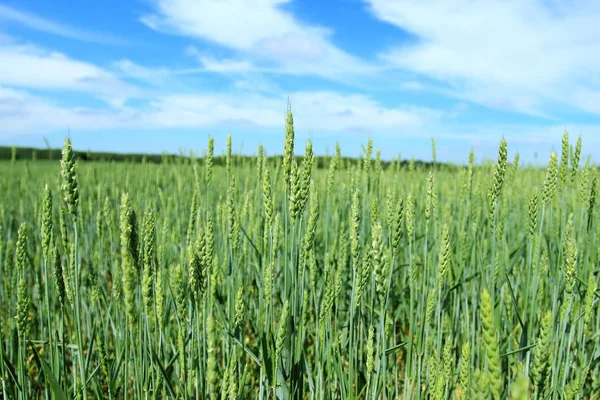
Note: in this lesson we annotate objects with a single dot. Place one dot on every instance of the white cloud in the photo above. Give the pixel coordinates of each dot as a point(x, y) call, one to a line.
point(187, 111)
point(588, 100)
point(156, 77)
point(259, 30)
point(355, 113)
point(319, 111)
point(412, 85)
point(237, 24)
point(225, 65)
point(23, 113)
point(518, 54)
point(461, 107)
point(34, 22)
point(295, 46)
point(325, 111)
point(32, 67)
point(257, 83)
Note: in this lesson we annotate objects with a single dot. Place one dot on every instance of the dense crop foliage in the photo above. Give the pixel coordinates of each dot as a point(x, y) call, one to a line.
point(270, 278)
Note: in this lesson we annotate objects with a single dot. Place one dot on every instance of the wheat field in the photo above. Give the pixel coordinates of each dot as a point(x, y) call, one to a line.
point(266, 277)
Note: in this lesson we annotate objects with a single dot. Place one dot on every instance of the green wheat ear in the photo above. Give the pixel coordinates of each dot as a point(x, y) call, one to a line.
point(239, 315)
point(589, 302)
point(533, 213)
point(267, 196)
point(22, 241)
point(370, 363)
point(368, 155)
point(59, 279)
point(429, 197)
point(47, 221)
point(159, 299)
point(465, 370)
point(306, 180)
point(498, 182)
point(576, 158)
point(520, 388)
point(128, 265)
point(543, 349)
point(564, 158)
point(333, 167)
point(490, 342)
point(232, 387)
point(592, 201)
point(549, 189)
point(397, 224)
point(69, 186)
point(209, 159)
point(288, 149)
point(379, 262)
point(444, 257)
point(23, 301)
point(149, 260)
point(584, 183)
point(23, 304)
point(228, 156)
point(430, 305)
point(282, 330)
point(410, 217)
point(211, 373)
point(355, 231)
point(482, 389)
point(294, 191)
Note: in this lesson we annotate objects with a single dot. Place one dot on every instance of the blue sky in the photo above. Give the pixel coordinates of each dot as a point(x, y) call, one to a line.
point(163, 75)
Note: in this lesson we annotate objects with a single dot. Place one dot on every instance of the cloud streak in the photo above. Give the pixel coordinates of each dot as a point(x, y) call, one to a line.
point(40, 24)
point(31, 67)
point(521, 55)
point(318, 111)
point(262, 35)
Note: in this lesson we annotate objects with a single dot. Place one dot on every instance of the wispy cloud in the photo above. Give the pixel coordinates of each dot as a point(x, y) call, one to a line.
point(152, 79)
point(32, 67)
point(225, 65)
point(319, 111)
point(213, 20)
point(522, 55)
point(322, 111)
point(259, 31)
point(24, 113)
point(40, 24)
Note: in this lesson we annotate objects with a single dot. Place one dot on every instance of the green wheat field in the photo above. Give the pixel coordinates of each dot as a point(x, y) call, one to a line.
point(270, 278)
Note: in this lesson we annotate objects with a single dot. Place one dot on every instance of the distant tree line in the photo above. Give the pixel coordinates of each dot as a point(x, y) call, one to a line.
point(37, 154)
